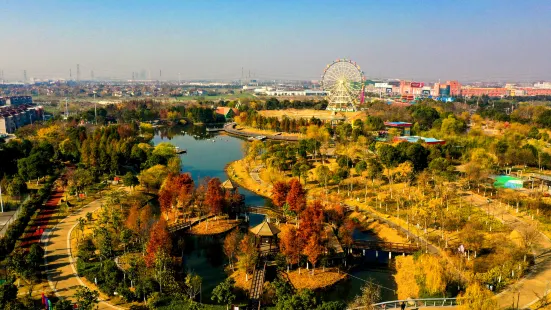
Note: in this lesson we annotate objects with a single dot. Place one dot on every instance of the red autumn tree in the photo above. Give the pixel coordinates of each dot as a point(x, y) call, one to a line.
point(311, 221)
point(290, 244)
point(234, 201)
point(214, 197)
point(165, 200)
point(185, 191)
point(279, 193)
point(296, 198)
point(313, 249)
point(176, 189)
point(159, 240)
point(346, 231)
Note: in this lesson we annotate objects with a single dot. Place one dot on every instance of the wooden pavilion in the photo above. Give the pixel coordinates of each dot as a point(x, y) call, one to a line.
point(265, 235)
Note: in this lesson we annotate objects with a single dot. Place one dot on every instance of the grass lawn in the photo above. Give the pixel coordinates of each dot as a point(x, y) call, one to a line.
point(213, 227)
point(320, 279)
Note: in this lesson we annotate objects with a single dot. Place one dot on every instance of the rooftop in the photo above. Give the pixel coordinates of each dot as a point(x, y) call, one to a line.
point(265, 229)
point(398, 124)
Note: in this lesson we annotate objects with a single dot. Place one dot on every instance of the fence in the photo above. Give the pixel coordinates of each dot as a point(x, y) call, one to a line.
point(13, 217)
point(423, 302)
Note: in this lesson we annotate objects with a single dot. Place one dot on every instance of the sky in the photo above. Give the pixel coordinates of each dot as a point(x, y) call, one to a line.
point(425, 40)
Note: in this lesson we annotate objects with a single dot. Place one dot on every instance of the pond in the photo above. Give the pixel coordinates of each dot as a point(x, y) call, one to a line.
point(207, 155)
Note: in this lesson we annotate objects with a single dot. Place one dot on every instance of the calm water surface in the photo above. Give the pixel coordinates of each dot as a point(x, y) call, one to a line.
point(207, 155)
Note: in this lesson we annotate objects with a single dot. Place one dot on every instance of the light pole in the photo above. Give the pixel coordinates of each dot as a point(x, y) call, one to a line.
point(1, 201)
point(95, 109)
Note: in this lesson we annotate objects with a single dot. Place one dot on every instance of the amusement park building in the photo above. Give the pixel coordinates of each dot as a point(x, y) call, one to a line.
point(484, 91)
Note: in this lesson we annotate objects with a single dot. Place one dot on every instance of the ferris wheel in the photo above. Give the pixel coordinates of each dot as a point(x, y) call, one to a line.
point(343, 80)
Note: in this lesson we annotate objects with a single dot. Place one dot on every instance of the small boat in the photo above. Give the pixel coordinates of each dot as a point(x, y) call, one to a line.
point(177, 150)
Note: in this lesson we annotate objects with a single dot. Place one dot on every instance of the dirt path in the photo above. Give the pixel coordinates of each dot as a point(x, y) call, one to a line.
point(58, 261)
point(538, 281)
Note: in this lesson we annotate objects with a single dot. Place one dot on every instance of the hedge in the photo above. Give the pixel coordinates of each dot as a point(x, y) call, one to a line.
point(28, 208)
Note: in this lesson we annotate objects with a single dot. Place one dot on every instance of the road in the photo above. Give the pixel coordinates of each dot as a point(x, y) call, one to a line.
point(538, 280)
point(59, 267)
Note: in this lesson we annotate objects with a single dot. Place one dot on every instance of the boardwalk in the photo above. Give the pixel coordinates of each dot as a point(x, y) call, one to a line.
point(187, 224)
point(257, 285)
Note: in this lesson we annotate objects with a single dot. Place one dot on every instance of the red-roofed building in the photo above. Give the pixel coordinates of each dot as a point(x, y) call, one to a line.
point(228, 113)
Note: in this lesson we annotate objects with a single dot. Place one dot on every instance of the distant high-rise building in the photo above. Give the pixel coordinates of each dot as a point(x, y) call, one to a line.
point(25, 76)
point(78, 72)
point(92, 74)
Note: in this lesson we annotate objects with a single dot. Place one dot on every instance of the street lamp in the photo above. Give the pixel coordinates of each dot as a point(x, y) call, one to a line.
point(1, 201)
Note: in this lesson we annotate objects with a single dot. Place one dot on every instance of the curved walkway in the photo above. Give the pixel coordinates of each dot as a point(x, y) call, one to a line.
point(230, 128)
point(59, 264)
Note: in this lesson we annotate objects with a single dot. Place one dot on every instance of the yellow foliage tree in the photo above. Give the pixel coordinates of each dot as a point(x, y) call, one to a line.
point(405, 277)
point(477, 297)
point(433, 273)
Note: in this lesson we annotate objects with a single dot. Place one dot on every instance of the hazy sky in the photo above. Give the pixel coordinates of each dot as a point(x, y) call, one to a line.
point(207, 39)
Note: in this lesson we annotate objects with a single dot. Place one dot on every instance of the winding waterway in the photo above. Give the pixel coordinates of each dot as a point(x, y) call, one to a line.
point(207, 155)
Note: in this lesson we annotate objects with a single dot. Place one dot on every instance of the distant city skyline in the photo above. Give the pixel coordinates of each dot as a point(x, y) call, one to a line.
point(416, 40)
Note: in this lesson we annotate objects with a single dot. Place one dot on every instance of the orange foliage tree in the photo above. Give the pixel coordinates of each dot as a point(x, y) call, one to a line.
point(313, 249)
point(296, 198)
point(214, 197)
point(345, 232)
point(177, 189)
point(290, 244)
point(279, 193)
point(311, 221)
point(159, 241)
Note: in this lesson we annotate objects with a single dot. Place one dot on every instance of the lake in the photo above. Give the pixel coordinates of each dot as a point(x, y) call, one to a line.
point(207, 155)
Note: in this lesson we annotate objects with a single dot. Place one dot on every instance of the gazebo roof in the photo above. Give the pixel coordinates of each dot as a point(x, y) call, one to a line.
point(265, 229)
point(228, 184)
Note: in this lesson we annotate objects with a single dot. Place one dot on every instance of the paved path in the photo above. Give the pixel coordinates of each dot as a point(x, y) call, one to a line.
point(61, 273)
point(230, 128)
point(538, 280)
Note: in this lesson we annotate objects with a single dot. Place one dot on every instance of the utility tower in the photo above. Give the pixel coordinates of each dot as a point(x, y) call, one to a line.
point(66, 108)
point(25, 76)
point(78, 72)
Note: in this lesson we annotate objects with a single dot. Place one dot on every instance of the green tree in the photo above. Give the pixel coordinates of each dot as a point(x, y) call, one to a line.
point(63, 304)
point(370, 294)
point(192, 285)
point(35, 258)
point(17, 187)
point(8, 293)
point(130, 180)
point(86, 299)
point(223, 292)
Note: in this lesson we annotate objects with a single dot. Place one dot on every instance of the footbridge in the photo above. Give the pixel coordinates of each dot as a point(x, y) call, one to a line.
point(383, 246)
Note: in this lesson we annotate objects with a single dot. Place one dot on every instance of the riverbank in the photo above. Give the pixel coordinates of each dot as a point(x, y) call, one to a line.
point(238, 173)
point(322, 279)
point(233, 129)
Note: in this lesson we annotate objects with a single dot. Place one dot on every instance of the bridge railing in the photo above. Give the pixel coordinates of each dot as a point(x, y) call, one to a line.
point(385, 246)
point(422, 302)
